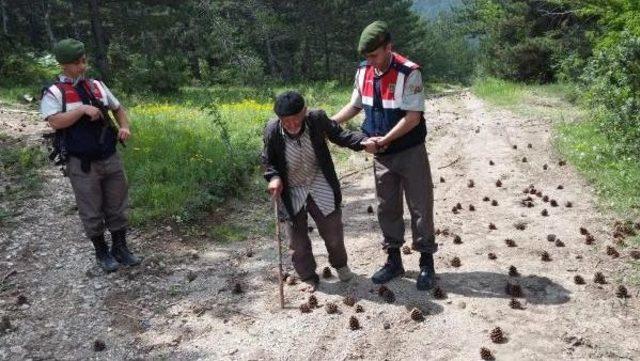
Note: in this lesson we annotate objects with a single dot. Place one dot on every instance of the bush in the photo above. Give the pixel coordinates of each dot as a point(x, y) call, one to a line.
point(20, 68)
point(612, 89)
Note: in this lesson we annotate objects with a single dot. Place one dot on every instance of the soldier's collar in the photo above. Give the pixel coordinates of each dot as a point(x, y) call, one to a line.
point(73, 81)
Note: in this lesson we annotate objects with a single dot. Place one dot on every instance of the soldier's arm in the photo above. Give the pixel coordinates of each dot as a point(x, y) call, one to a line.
point(69, 118)
point(346, 113)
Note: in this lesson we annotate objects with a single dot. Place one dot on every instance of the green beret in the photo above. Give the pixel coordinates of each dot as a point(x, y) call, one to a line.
point(68, 50)
point(373, 36)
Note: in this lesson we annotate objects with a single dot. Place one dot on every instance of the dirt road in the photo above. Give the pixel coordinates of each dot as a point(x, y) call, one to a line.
point(181, 304)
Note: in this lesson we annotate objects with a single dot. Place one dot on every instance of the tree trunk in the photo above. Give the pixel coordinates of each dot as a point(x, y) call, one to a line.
point(327, 63)
point(5, 17)
point(98, 36)
point(194, 64)
point(47, 23)
point(76, 30)
point(273, 68)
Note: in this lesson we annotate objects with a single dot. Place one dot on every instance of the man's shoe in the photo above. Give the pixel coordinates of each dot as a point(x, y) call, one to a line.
point(119, 249)
point(427, 277)
point(392, 269)
point(103, 257)
point(345, 274)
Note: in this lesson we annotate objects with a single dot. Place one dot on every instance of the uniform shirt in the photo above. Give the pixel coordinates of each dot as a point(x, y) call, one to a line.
point(412, 96)
point(52, 99)
point(305, 176)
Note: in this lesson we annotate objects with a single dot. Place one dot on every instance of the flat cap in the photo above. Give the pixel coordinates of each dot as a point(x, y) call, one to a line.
point(373, 36)
point(68, 50)
point(288, 103)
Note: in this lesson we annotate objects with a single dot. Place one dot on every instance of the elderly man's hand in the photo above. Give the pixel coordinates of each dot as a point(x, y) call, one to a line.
point(275, 187)
point(369, 145)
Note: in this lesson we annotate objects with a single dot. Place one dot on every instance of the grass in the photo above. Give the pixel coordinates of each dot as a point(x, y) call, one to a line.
point(576, 137)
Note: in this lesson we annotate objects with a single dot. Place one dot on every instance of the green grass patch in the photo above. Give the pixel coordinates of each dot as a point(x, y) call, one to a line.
point(510, 94)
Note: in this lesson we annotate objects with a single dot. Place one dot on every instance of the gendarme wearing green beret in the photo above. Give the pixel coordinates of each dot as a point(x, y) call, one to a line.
point(68, 50)
point(373, 36)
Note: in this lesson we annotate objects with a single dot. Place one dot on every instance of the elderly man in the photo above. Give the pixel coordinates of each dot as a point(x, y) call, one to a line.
point(301, 174)
point(388, 87)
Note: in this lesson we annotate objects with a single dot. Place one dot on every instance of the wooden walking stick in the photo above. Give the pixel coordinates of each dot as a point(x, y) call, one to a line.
point(279, 242)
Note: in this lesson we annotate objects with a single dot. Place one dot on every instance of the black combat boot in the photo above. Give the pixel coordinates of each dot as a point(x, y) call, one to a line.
point(427, 277)
point(119, 249)
point(103, 257)
point(392, 269)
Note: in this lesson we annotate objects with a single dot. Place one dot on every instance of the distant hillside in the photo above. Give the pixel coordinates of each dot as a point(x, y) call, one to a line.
point(431, 8)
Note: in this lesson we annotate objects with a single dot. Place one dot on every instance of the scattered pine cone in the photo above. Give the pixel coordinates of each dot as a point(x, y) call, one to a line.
point(494, 203)
point(389, 296)
point(459, 206)
point(359, 308)
point(551, 237)
point(326, 273)
point(406, 250)
point(553, 203)
point(544, 213)
point(583, 231)
point(454, 210)
point(486, 199)
point(599, 278)
point(524, 159)
point(539, 194)
point(545, 199)
point(457, 239)
point(545, 256)
point(21, 300)
point(561, 187)
point(611, 251)
point(545, 167)
point(635, 254)
point(559, 243)
point(622, 292)
point(305, 308)
point(354, 324)
point(291, 280)
point(492, 256)
point(349, 301)
point(529, 146)
point(498, 183)
point(492, 227)
point(568, 204)
point(471, 183)
point(417, 315)
point(442, 180)
point(455, 262)
point(513, 290)
point(577, 279)
point(237, 288)
point(491, 162)
point(589, 239)
point(533, 191)
point(472, 208)
point(331, 308)
point(99, 345)
point(484, 352)
point(515, 146)
point(513, 271)
point(562, 163)
point(439, 293)
point(510, 242)
point(312, 301)
point(515, 304)
point(497, 336)
point(370, 209)
point(521, 226)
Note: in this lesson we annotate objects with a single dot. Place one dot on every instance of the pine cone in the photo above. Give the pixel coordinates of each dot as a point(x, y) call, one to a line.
point(369, 209)
point(442, 180)
point(470, 183)
point(331, 308)
point(359, 308)
point(510, 243)
point(291, 280)
point(553, 203)
point(562, 163)
point(513, 271)
point(551, 237)
point(513, 290)
point(492, 227)
point(99, 345)
point(515, 304)
point(486, 199)
point(455, 262)
point(521, 226)
point(439, 293)
point(492, 256)
point(457, 239)
point(417, 315)
point(494, 203)
point(529, 146)
point(544, 213)
point(635, 254)
point(406, 250)
point(545, 199)
point(583, 231)
point(305, 308)
point(388, 296)
point(544, 256)
point(568, 204)
point(622, 292)
point(599, 278)
point(491, 162)
point(559, 243)
point(514, 146)
point(484, 352)
point(472, 208)
point(349, 301)
point(313, 301)
point(497, 336)
point(524, 159)
point(454, 210)
point(560, 187)
point(578, 280)
point(539, 194)
point(326, 273)
point(589, 239)
point(498, 183)
point(354, 324)
point(237, 288)
point(545, 167)
point(459, 206)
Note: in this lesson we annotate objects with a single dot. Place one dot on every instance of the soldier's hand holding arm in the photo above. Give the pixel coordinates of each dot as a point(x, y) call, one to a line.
point(275, 187)
point(67, 119)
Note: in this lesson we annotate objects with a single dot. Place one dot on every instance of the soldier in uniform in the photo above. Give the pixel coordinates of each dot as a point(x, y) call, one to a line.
point(388, 87)
point(76, 107)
